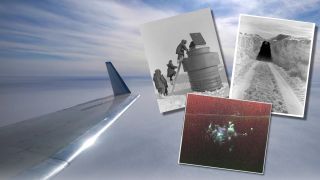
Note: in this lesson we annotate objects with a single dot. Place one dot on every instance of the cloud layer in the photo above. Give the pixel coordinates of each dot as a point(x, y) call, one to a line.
point(72, 38)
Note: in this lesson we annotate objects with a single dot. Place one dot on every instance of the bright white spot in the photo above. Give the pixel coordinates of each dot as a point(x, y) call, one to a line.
point(89, 142)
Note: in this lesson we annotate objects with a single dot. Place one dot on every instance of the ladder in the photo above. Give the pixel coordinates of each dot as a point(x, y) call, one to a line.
point(175, 78)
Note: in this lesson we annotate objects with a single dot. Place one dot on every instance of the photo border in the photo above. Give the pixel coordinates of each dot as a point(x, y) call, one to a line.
point(267, 141)
point(309, 64)
point(222, 58)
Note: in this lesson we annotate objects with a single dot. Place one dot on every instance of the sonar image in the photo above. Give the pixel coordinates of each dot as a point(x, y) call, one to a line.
point(225, 133)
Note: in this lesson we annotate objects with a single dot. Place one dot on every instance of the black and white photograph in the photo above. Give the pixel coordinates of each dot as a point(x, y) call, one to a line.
point(272, 62)
point(184, 56)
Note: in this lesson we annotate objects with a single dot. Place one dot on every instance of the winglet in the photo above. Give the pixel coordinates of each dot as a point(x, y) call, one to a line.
point(118, 85)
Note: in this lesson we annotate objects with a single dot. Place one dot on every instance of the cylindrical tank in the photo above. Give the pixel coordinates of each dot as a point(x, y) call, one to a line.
point(202, 68)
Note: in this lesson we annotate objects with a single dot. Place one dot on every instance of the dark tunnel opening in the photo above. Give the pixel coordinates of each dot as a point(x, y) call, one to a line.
point(265, 52)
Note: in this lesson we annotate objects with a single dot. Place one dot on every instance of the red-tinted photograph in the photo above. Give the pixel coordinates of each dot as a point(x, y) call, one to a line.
point(225, 133)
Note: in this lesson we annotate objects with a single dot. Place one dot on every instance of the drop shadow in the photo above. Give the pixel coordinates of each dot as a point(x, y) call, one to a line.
point(173, 111)
point(222, 54)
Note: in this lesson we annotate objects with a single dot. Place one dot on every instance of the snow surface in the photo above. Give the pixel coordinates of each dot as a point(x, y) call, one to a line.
point(177, 100)
point(264, 87)
point(292, 101)
point(222, 92)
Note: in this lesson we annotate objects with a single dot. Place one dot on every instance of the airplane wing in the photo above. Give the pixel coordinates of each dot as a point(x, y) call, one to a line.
point(41, 147)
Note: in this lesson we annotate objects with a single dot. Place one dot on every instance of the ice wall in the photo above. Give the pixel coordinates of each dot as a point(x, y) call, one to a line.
point(247, 50)
point(248, 46)
point(292, 54)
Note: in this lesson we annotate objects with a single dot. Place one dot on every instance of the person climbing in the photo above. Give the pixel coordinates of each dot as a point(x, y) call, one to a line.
point(192, 45)
point(180, 50)
point(171, 71)
point(160, 83)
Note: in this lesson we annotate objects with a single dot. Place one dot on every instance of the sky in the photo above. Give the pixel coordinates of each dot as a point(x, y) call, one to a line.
point(75, 37)
point(270, 27)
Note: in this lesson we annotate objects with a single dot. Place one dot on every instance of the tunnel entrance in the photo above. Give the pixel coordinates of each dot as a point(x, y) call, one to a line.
point(265, 52)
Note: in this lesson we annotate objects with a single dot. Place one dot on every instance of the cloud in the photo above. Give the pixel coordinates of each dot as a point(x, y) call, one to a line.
point(84, 34)
point(88, 33)
point(270, 8)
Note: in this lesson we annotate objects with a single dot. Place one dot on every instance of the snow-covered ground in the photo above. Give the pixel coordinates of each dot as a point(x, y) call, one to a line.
point(222, 92)
point(243, 79)
point(177, 99)
point(281, 82)
point(296, 84)
point(294, 106)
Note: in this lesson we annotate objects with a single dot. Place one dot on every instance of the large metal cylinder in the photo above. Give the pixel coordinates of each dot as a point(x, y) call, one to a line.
point(202, 68)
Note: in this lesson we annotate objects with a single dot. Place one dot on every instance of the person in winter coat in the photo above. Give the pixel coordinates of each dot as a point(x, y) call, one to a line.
point(171, 70)
point(192, 45)
point(180, 50)
point(160, 83)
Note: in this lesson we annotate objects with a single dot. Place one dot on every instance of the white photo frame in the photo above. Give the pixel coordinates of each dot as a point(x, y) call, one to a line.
point(280, 28)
